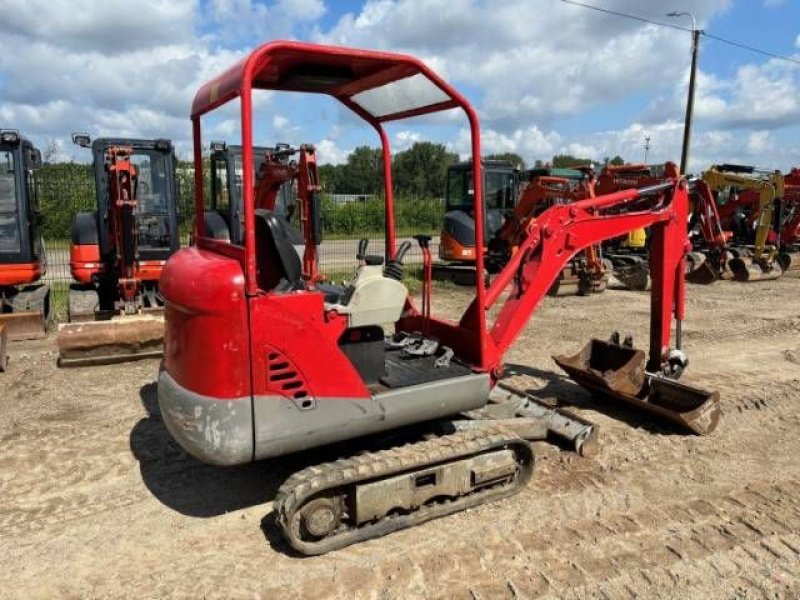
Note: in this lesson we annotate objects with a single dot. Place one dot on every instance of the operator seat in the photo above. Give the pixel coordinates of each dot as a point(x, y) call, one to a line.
point(277, 262)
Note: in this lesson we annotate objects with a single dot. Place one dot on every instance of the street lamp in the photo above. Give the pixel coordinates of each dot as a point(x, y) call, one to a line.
point(687, 123)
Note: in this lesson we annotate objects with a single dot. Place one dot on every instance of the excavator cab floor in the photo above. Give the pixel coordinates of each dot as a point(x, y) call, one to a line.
point(618, 372)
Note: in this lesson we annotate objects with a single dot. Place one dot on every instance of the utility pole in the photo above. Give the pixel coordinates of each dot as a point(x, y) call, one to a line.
point(687, 123)
point(646, 147)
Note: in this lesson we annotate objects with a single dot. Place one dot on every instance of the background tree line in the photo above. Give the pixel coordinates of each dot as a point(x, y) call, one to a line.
point(419, 180)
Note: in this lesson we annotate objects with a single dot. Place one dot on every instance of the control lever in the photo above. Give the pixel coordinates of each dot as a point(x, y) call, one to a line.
point(394, 268)
point(363, 244)
point(424, 245)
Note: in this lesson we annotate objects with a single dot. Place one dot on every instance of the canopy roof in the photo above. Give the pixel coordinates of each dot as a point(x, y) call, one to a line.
point(379, 86)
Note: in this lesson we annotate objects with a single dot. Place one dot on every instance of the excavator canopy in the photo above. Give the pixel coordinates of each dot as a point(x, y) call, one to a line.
point(379, 86)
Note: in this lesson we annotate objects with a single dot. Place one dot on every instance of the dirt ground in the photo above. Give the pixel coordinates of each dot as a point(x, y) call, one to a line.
point(98, 502)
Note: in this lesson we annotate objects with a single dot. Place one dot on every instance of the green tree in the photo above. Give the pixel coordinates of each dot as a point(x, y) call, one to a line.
point(363, 172)
point(617, 161)
point(422, 169)
point(564, 161)
point(512, 157)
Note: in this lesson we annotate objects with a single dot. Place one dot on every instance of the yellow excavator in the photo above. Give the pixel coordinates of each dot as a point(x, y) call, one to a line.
point(757, 261)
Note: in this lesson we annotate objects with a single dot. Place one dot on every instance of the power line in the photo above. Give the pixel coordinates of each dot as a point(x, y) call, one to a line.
point(751, 48)
point(673, 26)
point(626, 15)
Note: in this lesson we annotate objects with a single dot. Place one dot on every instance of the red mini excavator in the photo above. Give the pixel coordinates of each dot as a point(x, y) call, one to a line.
point(24, 300)
point(262, 361)
point(118, 252)
point(587, 273)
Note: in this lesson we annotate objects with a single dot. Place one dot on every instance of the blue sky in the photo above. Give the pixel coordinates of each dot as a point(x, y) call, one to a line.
point(546, 77)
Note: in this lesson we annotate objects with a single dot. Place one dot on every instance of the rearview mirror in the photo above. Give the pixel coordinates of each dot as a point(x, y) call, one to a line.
point(81, 139)
point(36, 159)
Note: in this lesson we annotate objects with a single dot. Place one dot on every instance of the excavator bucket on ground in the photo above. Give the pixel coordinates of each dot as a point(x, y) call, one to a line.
point(618, 372)
point(790, 263)
point(120, 339)
point(745, 268)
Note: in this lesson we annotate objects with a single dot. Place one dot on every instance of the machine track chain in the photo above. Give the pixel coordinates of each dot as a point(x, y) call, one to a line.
point(330, 489)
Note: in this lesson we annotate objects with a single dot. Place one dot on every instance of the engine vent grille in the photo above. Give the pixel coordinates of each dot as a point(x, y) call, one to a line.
point(285, 379)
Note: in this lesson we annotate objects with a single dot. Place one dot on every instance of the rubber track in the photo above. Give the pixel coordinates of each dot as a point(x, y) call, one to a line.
point(386, 463)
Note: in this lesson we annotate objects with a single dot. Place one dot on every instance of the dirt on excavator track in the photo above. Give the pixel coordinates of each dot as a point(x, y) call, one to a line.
point(99, 502)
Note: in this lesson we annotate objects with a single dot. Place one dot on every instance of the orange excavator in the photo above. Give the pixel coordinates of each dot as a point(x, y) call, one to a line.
point(587, 273)
point(118, 252)
point(24, 300)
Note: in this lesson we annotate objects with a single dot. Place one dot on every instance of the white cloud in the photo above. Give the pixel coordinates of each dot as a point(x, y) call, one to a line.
point(563, 61)
point(405, 139)
point(328, 152)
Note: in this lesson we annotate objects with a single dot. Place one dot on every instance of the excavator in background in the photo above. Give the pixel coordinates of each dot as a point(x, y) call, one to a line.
point(628, 254)
point(260, 362)
point(118, 251)
point(751, 217)
point(587, 273)
point(501, 180)
point(25, 310)
point(224, 209)
point(789, 255)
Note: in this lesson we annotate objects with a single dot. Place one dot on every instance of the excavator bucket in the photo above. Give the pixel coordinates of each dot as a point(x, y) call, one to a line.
point(790, 263)
point(699, 270)
point(618, 372)
point(120, 339)
point(746, 269)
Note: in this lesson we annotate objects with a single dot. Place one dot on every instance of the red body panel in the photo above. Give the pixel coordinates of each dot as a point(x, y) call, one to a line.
point(84, 262)
point(206, 332)
point(294, 328)
point(20, 274)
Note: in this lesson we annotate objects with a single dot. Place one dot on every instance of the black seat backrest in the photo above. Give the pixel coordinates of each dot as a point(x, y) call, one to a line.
point(277, 261)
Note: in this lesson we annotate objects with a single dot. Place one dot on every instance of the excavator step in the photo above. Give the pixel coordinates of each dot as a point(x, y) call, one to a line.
point(117, 340)
point(618, 372)
point(327, 507)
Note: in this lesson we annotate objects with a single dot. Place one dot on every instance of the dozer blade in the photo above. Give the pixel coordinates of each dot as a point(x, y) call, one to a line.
point(29, 325)
point(790, 263)
point(3, 342)
point(618, 373)
point(746, 269)
point(117, 340)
